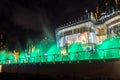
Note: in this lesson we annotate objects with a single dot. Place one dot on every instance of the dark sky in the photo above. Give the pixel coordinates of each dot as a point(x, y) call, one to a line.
point(22, 19)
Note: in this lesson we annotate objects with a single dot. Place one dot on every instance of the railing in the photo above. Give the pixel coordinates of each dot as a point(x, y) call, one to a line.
point(91, 55)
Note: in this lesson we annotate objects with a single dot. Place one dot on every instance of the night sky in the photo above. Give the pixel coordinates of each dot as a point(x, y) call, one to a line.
point(23, 19)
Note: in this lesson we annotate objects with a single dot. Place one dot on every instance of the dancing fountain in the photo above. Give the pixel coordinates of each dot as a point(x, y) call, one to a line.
point(49, 52)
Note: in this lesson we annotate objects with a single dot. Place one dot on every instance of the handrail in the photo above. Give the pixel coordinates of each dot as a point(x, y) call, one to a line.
point(89, 55)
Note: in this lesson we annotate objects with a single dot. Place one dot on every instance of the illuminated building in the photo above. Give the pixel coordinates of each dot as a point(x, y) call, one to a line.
point(82, 32)
point(100, 33)
point(90, 31)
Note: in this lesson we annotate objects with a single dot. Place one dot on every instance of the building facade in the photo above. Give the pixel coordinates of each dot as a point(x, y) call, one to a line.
point(90, 31)
point(82, 32)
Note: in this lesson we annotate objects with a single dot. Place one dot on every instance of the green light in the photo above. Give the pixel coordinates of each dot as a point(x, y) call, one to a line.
point(34, 57)
point(49, 52)
point(54, 50)
point(22, 58)
point(11, 58)
point(76, 48)
point(3, 57)
point(109, 45)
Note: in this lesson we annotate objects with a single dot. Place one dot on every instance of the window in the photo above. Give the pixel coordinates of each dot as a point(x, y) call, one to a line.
point(77, 30)
point(68, 32)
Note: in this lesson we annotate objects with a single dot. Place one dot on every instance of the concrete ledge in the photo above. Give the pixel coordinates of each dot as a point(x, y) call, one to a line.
point(110, 69)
